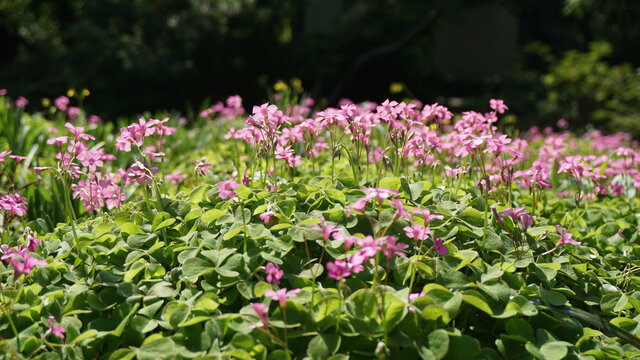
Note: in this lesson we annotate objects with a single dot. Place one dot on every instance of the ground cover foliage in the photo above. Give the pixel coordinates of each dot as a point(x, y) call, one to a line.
point(368, 230)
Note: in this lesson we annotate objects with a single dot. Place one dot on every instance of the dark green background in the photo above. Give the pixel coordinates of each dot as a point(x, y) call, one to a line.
point(137, 55)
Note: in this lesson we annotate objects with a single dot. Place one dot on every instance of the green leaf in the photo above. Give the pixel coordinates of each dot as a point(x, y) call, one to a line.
point(164, 224)
point(288, 207)
point(394, 311)
point(621, 304)
point(85, 335)
point(323, 346)
point(196, 266)
point(553, 351)
point(212, 215)
point(336, 196)
point(132, 273)
point(241, 354)
point(463, 347)
point(546, 272)
point(158, 348)
point(552, 297)
point(232, 232)
point(208, 302)
point(391, 182)
point(472, 216)
point(609, 229)
point(476, 299)
point(436, 313)
point(413, 191)
point(242, 341)
point(533, 350)
point(520, 328)
point(439, 343)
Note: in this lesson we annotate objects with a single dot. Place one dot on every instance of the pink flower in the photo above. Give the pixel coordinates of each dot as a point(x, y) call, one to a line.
point(56, 330)
point(38, 169)
point(417, 232)
point(338, 269)
point(527, 220)
point(327, 230)
point(245, 179)
point(347, 241)
point(261, 310)
point(566, 237)
point(202, 166)
point(426, 214)
point(266, 216)
point(140, 174)
point(227, 188)
point(32, 244)
point(370, 247)
point(379, 193)
point(175, 178)
point(4, 154)
point(73, 112)
point(359, 205)
point(14, 204)
point(399, 206)
point(21, 261)
point(95, 119)
point(274, 274)
point(392, 247)
point(513, 213)
point(498, 105)
point(438, 244)
point(60, 140)
point(281, 295)
point(17, 158)
point(21, 102)
point(61, 103)
point(562, 124)
point(78, 132)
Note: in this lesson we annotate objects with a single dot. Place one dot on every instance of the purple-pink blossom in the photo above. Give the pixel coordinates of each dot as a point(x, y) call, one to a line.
point(33, 243)
point(339, 269)
point(261, 310)
point(14, 204)
point(566, 237)
point(281, 295)
point(498, 105)
point(227, 188)
point(54, 329)
point(202, 166)
point(274, 274)
point(438, 244)
point(417, 232)
point(327, 229)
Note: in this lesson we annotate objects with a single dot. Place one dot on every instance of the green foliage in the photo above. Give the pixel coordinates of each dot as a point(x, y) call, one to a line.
point(586, 89)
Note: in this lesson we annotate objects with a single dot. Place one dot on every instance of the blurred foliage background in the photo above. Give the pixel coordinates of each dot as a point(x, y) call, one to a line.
point(549, 59)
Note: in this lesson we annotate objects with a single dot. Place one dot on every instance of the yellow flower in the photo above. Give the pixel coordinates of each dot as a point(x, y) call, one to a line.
point(280, 86)
point(71, 92)
point(396, 87)
point(45, 102)
point(85, 92)
point(296, 84)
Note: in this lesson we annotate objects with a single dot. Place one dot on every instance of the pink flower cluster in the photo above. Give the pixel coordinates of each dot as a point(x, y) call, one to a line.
point(368, 248)
point(14, 204)
point(20, 258)
point(98, 188)
point(135, 134)
point(231, 108)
